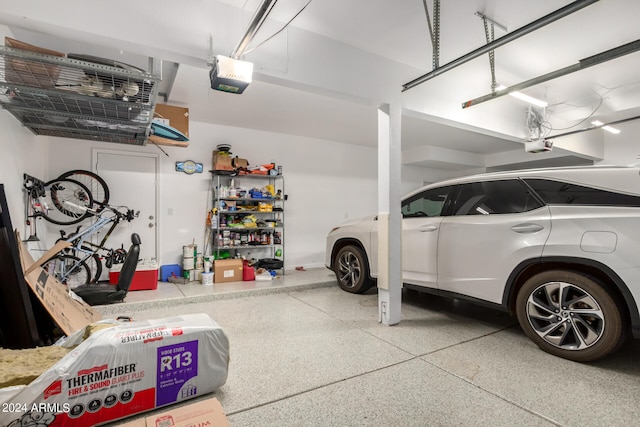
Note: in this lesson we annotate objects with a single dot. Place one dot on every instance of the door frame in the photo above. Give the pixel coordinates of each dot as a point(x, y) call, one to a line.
point(95, 152)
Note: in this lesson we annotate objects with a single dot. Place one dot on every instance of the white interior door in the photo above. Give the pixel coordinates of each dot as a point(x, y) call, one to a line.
point(132, 179)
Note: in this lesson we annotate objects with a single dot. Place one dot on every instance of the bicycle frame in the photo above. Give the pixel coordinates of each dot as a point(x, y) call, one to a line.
point(77, 240)
point(80, 238)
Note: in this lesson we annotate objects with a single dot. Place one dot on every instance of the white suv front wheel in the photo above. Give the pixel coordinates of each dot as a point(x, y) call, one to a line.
point(570, 315)
point(352, 270)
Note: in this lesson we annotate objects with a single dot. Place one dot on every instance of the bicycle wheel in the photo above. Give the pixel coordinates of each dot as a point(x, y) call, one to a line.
point(95, 184)
point(68, 269)
point(93, 261)
point(59, 191)
point(89, 257)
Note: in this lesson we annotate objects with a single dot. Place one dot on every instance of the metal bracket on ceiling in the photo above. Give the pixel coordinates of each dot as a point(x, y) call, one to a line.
point(434, 31)
point(492, 21)
point(436, 34)
point(211, 59)
point(489, 32)
point(532, 26)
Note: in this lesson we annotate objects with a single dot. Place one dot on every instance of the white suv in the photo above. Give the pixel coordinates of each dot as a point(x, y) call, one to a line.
point(558, 247)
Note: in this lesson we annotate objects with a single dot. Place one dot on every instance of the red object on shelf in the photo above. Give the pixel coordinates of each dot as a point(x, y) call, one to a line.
point(248, 272)
point(145, 278)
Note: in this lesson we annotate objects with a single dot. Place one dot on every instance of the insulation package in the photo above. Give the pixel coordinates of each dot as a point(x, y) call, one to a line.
point(121, 370)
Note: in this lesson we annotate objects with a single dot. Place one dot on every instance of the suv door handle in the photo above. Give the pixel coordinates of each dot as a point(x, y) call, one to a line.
point(527, 227)
point(428, 228)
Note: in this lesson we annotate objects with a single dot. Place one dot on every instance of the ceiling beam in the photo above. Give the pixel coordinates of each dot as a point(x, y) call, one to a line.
point(532, 26)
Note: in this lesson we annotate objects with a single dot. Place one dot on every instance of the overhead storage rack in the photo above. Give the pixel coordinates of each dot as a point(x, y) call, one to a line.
point(78, 97)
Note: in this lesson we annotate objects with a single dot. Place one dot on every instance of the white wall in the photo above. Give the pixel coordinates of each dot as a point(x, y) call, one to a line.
point(20, 152)
point(622, 149)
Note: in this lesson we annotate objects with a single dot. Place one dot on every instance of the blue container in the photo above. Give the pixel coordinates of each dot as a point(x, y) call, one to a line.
point(168, 270)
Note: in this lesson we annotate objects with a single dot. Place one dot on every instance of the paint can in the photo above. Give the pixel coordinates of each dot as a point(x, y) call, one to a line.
point(188, 264)
point(188, 251)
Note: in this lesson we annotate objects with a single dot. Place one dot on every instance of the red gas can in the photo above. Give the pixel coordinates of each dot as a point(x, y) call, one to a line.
point(248, 272)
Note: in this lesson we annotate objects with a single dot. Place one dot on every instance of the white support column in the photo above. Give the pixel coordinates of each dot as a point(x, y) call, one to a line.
point(389, 215)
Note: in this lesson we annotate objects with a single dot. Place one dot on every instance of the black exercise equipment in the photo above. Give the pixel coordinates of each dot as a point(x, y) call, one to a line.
point(99, 294)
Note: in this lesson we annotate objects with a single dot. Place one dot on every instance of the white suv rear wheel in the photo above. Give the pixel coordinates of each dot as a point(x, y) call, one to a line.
point(570, 315)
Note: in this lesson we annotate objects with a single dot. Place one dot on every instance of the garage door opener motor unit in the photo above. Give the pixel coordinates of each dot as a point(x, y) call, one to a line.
point(230, 75)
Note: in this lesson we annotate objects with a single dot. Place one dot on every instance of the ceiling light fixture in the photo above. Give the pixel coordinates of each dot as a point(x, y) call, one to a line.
point(610, 129)
point(526, 98)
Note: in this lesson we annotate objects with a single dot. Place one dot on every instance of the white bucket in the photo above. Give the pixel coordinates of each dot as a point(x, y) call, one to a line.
point(207, 279)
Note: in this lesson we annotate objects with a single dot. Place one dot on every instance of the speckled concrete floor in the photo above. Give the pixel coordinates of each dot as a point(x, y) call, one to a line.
point(313, 355)
point(169, 294)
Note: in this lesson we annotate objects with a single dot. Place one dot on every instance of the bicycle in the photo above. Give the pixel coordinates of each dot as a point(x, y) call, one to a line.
point(47, 200)
point(71, 265)
point(96, 185)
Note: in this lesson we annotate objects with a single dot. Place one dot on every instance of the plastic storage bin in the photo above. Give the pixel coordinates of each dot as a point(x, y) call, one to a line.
point(168, 270)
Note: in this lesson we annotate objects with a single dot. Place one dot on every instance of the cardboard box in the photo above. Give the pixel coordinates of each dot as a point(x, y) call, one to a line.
point(71, 314)
point(222, 161)
point(240, 163)
point(227, 270)
point(178, 118)
point(31, 73)
point(145, 277)
point(208, 412)
point(123, 369)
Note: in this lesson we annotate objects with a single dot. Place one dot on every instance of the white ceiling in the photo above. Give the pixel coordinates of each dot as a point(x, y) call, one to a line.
point(325, 76)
